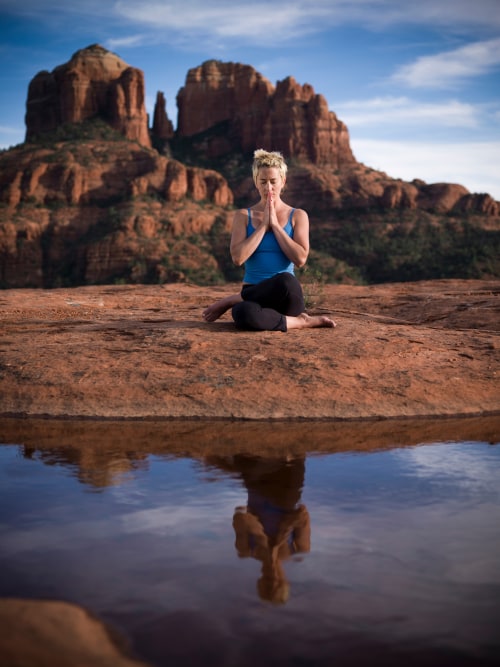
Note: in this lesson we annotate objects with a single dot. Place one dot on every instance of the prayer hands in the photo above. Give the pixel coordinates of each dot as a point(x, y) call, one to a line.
point(270, 217)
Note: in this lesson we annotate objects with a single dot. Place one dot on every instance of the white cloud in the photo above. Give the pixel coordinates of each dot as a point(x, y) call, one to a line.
point(230, 19)
point(474, 165)
point(189, 516)
point(126, 42)
point(226, 18)
point(462, 465)
point(283, 21)
point(250, 23)
point(450, 67)
point(403, 110)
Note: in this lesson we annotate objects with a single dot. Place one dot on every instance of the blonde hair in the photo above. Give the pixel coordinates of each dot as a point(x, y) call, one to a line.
point(262, 158)
point(276, 592)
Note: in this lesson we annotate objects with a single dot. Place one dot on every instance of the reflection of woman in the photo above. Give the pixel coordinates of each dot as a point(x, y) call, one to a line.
point(273, 525)
point(270, 238)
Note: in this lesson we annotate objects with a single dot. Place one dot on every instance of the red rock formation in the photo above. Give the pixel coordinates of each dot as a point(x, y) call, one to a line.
point(97, 173)
point(95, 82)
point(399, 195)
point(225, 109)
point(162, 126)
point(440, 197)
point(228, 109)
point(91, 211)
point(59, 634)
point(217, 92)
point(301, 125)
point(445, 197)
point(478, 203)
point(290, 118)
point(101, 210)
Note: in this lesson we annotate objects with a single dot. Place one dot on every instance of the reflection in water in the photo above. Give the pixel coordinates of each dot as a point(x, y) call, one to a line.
point(273, 525)
point(162, 554)
point(92, 465)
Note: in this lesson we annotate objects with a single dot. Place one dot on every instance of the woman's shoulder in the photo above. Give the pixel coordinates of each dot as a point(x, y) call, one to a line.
point(245, 212)
point(295, 210)
point(240, 220)
point(298, 214)
point(241, 214)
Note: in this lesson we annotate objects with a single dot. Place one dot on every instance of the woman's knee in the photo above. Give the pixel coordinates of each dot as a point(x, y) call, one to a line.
point(244, 315)
point(249, 316)
point(285, 280)
point(294, 294)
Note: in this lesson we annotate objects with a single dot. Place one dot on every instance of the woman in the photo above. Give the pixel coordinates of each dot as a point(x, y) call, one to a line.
point(269, 239)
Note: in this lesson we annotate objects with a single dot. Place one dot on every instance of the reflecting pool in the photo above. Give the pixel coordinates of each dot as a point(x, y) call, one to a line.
point(236, 544)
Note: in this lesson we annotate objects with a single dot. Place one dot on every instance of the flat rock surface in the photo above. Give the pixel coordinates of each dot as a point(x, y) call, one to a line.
point(53, 633)
point(143, 351)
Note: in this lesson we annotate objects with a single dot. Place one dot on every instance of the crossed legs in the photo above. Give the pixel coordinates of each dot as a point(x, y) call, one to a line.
point(275, 304)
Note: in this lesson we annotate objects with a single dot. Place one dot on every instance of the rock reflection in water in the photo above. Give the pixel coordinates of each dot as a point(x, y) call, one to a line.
point(273, 525)
point(95, 466)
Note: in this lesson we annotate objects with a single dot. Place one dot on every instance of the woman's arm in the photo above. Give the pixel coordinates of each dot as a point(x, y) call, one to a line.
point(296, 249)
point(242, 246)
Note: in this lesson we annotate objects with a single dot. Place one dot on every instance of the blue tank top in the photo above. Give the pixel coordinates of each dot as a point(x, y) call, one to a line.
point(269, 259)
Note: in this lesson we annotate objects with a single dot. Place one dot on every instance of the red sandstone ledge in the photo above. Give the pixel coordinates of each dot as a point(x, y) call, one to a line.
point(427, 349)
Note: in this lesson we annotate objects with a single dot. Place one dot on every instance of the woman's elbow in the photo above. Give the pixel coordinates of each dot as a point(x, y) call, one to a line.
point(301, 261)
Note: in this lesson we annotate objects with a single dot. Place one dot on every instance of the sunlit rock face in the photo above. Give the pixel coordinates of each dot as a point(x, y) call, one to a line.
point(290, 117)
point(95, 82)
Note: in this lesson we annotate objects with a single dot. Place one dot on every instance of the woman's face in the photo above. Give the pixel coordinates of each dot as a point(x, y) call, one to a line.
point(269, 180)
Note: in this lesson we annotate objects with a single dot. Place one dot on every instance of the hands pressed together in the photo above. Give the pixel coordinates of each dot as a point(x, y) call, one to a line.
point(270, 216)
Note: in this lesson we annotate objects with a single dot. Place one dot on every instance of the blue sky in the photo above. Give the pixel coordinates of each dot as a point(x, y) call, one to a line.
point(418, 84)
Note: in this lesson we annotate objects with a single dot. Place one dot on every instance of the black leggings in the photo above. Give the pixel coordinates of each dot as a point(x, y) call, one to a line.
point(266, 304)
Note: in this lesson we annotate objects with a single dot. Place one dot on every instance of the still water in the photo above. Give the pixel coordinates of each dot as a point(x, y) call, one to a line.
point(373, 549)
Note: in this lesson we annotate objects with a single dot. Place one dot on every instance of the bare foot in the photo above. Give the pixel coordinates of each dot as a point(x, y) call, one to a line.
point(218, 308)
point(305, 321)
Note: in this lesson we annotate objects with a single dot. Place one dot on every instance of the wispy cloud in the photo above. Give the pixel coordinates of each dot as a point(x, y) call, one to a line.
point(262, 22)
point(224, 17)
point(224, 20)
point(130, 41)
point(403, 110)
point(474, 165)
point(284, 21)
point(462, 465)
point(450, 67)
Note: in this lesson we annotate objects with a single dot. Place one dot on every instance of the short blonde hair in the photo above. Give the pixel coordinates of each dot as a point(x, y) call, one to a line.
point(262, 158)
